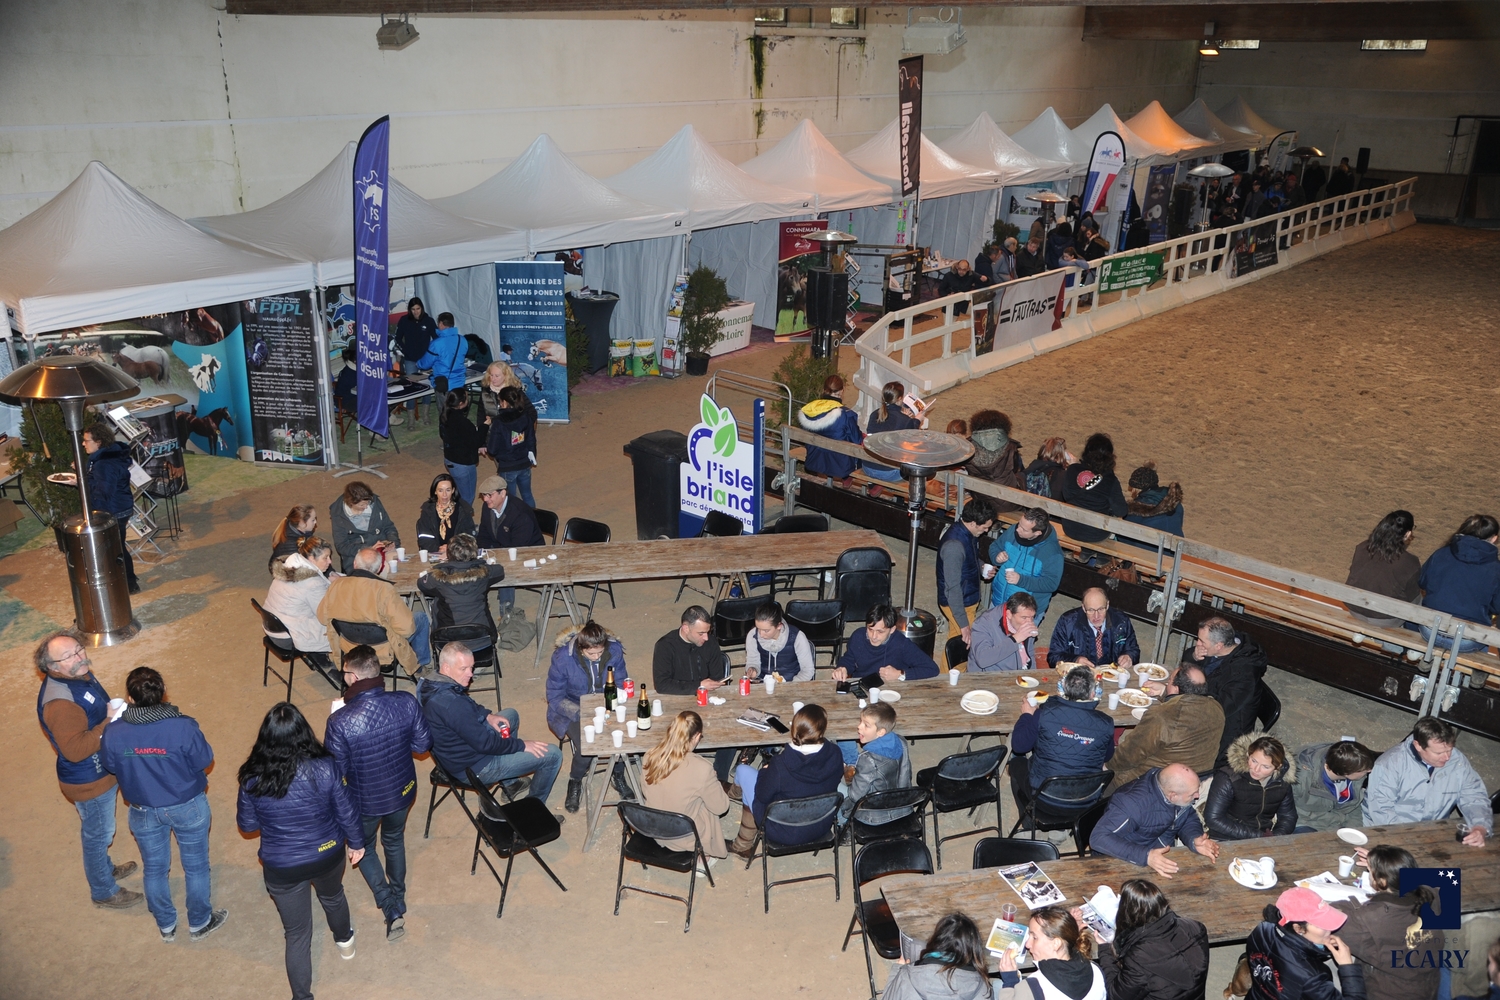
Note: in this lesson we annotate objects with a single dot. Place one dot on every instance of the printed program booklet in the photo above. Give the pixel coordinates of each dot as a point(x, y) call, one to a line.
point(1032, 885)
point(1099, 914)
point(1008, 936)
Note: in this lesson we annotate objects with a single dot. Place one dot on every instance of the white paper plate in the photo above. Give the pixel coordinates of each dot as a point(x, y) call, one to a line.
point(1132, 692)
point(1139, 713)
point(1033, 699)
point(1027, 682)
point(1248, 874)
point(886, 694)
point(1349, 835)
point(979, 702)
point(1152, 671)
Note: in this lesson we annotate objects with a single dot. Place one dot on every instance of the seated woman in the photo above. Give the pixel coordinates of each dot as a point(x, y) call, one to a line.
point(1061, 951)
point(1252, 796)
point(1387, 923)
point(1044, 476)
point(1382, 565)
point(777, 646)
point(300, 522)
point(808, 765)
point(581, 661)
point(997, 456)
point(1091, 483)
point(952, 966)
point(679, 781)
point(1156, 953)
point(1152, 504)
point(444, 516)
point(358, 520)
point(1463, 578)
point(890, 415)
point(1291, 946)
point(460, 587)
point(298, 582)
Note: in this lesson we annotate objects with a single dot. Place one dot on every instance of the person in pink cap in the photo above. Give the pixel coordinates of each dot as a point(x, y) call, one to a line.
point(1289, 950)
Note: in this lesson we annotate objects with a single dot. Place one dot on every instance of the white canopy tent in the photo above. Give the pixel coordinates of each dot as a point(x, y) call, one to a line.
point(806, 161)
point(1200, 121)
point(1240, 116)
point(941, 174)
point(315, 223)
point(1138, 149)
point(983, 144)
point(559, 205)
point(101, 251)
point(1153, 124)
point(1048, 137)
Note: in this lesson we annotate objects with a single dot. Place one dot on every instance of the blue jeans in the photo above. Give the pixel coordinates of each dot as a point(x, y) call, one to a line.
point(518, 484)
point(465, 476)
point(153, 827)
point(510, 766)
point(745, 776)
point(884, 475)
point(388, 884)
point(421, 641)
point(1446, 642)
point(97, 819)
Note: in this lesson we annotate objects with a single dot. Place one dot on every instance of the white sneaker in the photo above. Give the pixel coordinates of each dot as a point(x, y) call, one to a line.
point(346, 948)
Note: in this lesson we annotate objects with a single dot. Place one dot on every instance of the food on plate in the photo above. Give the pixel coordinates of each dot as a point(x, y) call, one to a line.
point(1134, 698)
point(1037, 697)
point(1027, 682)
point(1152, 671)
point(1108, 674)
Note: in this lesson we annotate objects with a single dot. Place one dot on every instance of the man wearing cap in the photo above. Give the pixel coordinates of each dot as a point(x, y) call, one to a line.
point(505, 522)
point(1288, 958)
point(1150, 814)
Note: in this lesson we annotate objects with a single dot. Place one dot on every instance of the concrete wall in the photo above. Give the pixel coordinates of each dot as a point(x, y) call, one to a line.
point(1400, 104)
point(209, 114)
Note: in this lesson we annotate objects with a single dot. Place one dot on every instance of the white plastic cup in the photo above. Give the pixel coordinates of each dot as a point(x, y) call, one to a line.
point(656, 706)
point(796, 707)
point(588, 734)
point(619, 711)
point(953, 678)
point(618, 735)
point(529, 564)
point(630, 728)
point(987, 571)
point(770, 682)
point(874, 695)
point(512, 552)
point(1114, 701)
point(401, 553)
point(1346, 865)
point(599, 713)
point(422, 555)
point(1268, 865)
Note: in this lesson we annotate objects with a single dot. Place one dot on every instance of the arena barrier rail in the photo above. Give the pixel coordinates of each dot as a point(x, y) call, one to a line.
point(1190, 570)
point(1193, 267)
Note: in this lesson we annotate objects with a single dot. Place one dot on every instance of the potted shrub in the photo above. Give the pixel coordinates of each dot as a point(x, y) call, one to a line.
point(702, 327)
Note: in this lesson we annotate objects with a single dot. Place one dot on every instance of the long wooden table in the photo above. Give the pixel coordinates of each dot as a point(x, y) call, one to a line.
point(1201, 889)
point(927, 708)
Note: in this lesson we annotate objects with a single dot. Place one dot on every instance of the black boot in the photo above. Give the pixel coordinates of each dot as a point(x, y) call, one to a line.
point(622, 787)
point(575, 792)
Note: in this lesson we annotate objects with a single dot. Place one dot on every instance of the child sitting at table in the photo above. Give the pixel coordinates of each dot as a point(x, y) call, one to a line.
point(881, 761)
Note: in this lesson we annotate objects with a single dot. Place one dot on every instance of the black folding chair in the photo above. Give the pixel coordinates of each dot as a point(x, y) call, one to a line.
point(1061, 803)
point(486, 657)
point(546, 521)
point(956, 652)
point(734, 620)
point(278, 643)
point(370, 634)
point(867, 825)
point(517, 827)
point(873, 916)
point(716, 524)
point(439, 778)
point(813, 811)
point(1002, 852)
point(641, 830)
point(964, 781)
point(861, 580)
point(785, 581)
point(582, 531)
point(822, 622)
point(1267, 705)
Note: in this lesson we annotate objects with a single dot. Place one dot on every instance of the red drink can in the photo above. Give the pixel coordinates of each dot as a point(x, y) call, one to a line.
point(703, 696)
point(745, 684)
point(504, 727)
point(629, 689)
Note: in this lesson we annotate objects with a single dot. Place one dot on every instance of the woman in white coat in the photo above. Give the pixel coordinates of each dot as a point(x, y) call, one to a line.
point(298, 582)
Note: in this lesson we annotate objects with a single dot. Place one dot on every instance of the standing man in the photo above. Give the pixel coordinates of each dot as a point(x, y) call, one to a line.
point(958, 565)
point(1424, 778)
point(1094, 634)
point(1029, 559)
point(688, 660)
point(504, 524)
point(1233, 664)
point(373, 738)
point(159, 757)
point(827, 415)
point(73, 708)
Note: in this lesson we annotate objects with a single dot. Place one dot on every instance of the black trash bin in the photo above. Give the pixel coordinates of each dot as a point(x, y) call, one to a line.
point(658, 490)
point(594, 311)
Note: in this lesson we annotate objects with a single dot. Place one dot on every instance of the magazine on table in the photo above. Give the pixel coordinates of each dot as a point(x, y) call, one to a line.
point(1032, 885)
point(1008, 936)
point(1099, 913)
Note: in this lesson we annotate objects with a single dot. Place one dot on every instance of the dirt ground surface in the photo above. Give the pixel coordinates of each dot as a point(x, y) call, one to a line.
point(1296, 411)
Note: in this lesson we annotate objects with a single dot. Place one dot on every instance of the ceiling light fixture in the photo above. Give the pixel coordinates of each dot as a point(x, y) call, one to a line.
point(393, 35)
point(1209, 47)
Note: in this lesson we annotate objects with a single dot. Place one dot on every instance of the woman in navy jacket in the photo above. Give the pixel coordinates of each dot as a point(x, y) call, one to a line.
point(581, 660)
point(109, 485)
point(512, 442)
point(808, 765)
point(292, 793)
point(1463, 577)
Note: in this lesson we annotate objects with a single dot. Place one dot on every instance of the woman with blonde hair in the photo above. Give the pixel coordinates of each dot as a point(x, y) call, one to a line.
point(496, 377)
point(298, 583)
point(300, 522)
point(1044, 476)
point(1062, 952)
point(679, 781)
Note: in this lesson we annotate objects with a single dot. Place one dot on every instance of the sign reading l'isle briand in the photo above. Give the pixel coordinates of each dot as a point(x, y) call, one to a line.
point(722, 472)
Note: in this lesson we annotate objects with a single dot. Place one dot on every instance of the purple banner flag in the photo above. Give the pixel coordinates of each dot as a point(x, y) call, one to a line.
point(371, 279)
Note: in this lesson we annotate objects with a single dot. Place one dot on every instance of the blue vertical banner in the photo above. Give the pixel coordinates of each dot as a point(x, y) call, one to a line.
point(371, 278)
point(533, 321)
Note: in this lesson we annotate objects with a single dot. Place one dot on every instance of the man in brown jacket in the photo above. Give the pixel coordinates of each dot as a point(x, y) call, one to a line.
point(1183, 728)
point(363, 596)
point(74, 708)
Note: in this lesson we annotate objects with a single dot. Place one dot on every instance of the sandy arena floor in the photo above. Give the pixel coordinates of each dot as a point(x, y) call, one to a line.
point(1295, 411)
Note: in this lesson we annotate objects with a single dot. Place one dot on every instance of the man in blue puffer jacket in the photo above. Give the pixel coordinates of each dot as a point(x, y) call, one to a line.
point(581, 661)
point(1065, 735)
point(1094, 633)
point(446, 354)
point(373, 737)
point(1028, 558)
point(1147, 816)
point(109, 485)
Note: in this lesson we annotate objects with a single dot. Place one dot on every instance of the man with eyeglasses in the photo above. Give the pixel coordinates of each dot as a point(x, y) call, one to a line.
point(1094, 634)
point(74, 709)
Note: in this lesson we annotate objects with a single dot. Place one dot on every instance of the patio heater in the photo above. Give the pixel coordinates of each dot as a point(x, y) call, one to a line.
point(828, 291)
point(91, 540)
point(918, 454)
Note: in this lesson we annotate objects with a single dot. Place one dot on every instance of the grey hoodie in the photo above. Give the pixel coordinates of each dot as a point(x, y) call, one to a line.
point(931, 982)
point(883, 763)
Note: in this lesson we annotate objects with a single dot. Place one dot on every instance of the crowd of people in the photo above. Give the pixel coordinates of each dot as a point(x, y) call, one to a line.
point(1243, 196)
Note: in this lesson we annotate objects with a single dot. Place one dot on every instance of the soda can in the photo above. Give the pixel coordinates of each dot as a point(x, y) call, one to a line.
point(505, 727)
point(703, 696)
point(629, 689)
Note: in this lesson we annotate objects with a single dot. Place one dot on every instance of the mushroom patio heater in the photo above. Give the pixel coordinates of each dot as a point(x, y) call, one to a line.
point(91, 540)
point(918, 454)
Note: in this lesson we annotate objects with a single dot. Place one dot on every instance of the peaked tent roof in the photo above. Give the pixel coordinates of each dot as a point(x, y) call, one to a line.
point(1049, 137)
point(941, 174)
point(688, 174)
point(559, 205)
point(1202, 122)
point(1239, 115)
point(1153, 124)
point(806, 161)
point(1136, 147)
point(985, 145)
point(102, 251)
point(315, 223)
